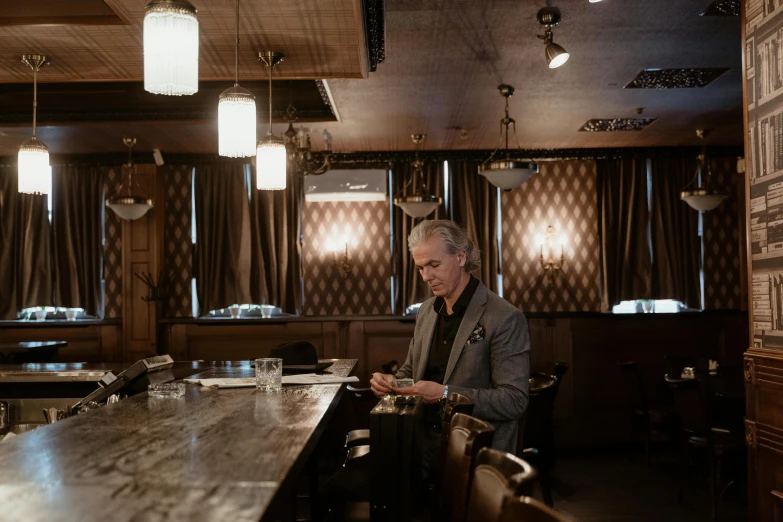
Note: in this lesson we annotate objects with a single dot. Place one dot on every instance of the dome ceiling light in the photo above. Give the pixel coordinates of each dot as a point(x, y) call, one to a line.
point(127, 205)
point(420, 203)
point(507, 172)
point(705, 196)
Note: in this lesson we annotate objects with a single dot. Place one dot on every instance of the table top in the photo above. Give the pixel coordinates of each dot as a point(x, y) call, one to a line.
point(35, 345)
point(211, 455)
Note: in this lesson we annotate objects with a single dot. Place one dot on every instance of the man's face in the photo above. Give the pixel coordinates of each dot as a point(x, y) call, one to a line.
point(441, 271)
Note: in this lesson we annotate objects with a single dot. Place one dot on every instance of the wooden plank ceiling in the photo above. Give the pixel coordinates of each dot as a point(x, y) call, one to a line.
point(444, 59)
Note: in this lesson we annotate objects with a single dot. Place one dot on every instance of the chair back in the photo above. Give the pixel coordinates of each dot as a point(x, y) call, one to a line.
point(634, 384)
point(535, 429)
point(468, 436)
point(526, 509)
point(497, 476)
point(363, 400)
point(559, 371)
point(690, 405)
point(457, 403)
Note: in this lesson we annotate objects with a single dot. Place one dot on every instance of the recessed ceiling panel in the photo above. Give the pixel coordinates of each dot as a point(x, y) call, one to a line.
point(616, 124)
point(675, 78)
point(57, 12)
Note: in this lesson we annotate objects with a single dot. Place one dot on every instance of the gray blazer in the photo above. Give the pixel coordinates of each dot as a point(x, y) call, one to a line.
point(489, 361)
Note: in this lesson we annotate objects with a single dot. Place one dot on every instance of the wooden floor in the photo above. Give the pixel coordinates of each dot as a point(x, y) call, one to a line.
point(609, 487)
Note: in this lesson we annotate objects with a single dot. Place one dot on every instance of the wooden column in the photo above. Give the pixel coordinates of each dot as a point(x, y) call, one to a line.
point(141, 252)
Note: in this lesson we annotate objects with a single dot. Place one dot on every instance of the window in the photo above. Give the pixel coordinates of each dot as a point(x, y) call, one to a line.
point(649, 306)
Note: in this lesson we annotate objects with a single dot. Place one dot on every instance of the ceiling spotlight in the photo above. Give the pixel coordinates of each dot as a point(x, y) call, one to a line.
point(555, 54)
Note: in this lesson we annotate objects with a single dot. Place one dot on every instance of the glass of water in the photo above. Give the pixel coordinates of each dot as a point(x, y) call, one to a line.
point(269, 374)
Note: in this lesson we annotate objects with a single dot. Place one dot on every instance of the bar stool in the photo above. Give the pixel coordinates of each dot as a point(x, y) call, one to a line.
point(468, 435)
point(497, 477)
point(526, 509)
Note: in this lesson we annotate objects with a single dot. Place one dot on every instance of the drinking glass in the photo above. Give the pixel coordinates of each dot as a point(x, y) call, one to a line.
point(269, 374)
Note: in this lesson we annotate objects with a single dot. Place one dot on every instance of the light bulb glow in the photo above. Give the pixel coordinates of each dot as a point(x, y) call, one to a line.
point(237, 123)
point(170, 48)
point(270, 165)
point(34, 172)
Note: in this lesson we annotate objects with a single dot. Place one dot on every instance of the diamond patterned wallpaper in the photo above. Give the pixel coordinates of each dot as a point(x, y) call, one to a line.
point(178, 246)
point(562, 194)
point(721, 243)
point(112, 248)
point(367, 289)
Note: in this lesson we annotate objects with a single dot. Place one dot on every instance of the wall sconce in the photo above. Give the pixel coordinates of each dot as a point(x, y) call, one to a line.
point(552, 248)
point(341, 259)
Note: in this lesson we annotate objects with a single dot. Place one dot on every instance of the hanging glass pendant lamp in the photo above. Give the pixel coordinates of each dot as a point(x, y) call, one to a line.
point(171, 48)
point(237, 115)
point(420, 202)
point(271, 152)
point(125, 203)
point(35, 174)
point(507, 172)
point(705, 196)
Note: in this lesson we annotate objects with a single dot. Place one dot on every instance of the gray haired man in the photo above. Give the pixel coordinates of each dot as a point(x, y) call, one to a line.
point(467, 339)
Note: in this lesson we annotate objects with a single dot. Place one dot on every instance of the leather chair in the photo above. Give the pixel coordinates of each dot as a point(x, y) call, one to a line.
point(468, 435)
point(497, 477)
point(526, 509)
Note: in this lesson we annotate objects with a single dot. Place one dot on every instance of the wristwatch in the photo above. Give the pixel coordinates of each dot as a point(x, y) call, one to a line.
point(445, 393)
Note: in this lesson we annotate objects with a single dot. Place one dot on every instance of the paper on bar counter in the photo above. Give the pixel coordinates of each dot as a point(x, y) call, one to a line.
point(249, 382)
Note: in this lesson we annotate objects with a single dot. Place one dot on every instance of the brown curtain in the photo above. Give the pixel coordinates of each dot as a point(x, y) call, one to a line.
point(222, 251)
point(475, 207)
point(276, 253)
point(623, 220)
point(410, 288)
point(25, 248)
point(675, 233)
point(77, 224)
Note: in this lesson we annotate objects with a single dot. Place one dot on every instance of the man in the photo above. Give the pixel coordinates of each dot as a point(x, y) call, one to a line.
point(467, 340)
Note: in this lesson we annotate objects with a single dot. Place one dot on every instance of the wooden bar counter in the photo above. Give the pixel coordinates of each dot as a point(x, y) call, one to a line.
point(212, 455)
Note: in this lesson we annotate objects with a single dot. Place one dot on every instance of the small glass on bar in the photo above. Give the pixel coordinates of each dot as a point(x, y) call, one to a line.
point(269, 374)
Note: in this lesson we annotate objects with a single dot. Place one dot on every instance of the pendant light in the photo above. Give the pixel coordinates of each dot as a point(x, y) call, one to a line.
point(271, 151)
point(34, 173)
point(705, 196)
point(125, 204)
point(507, 173)
point(421, 203)
point(237, 115)
point(170, 48)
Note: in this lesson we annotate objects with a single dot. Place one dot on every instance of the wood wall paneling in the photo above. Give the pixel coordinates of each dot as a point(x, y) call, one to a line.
point(141, 254)
point(87, 343)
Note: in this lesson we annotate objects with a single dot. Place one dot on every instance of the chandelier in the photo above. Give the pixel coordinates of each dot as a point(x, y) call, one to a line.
point(34, 173)
point(705, 196)
point(300, 150)
point(507, 173)
point(421, 203)
point(271, 152)
point(170, 48)
point(237, 114)
point(125, 204)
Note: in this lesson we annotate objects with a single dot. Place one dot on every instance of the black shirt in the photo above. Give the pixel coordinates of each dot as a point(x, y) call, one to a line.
point(446, 332)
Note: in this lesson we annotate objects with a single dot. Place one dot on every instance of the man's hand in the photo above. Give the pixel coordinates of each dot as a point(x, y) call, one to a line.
point(429, 391)
point(381, 384)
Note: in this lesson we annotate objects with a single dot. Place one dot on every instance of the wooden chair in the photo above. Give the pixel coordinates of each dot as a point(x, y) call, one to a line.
point(536, 433)
point(526, 509)
point(363, 401)
point(468, 436)
point(699, 434)
point(653, 423)
point(497, 477)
